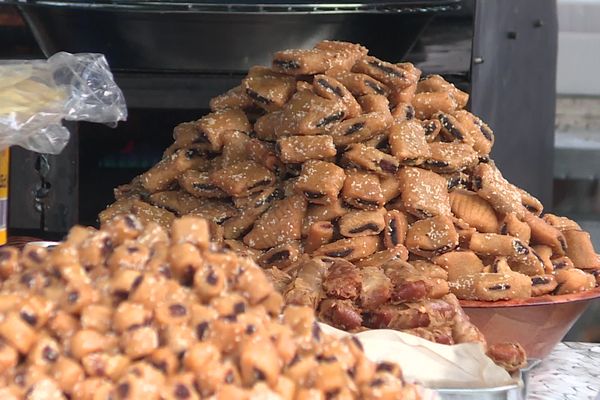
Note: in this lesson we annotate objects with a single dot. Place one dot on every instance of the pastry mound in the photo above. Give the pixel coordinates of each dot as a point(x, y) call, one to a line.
point(138, 312)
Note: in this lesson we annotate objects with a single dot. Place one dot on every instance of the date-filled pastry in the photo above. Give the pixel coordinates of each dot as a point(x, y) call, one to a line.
point(216, 123)
point(513, 226)
point(451, 157)
point(297, 149)
point(351, 249)
point(242, 179)
point(281, 256)
point(396, 226)
point(280, 224)
point(544, 233)
point(573, 280)
point(267, 89)
point(199, 184)
point(424, 193)
point(481, 135)
point(436, 83)
point(489, 183)
point(320, 182)
point(332, 89)
point(408, 144)
point(384, 257)
point(492, 286)
point(493, 244)
point(359, 129)
point(543, 284)
point(233, 98)
point(162, 175)
point(362, 223)
point(459, 264)
point(357, 83)
point(435, 235)
point(581, 250)
point(362, 190)
point(426, 104)
point(370, 159)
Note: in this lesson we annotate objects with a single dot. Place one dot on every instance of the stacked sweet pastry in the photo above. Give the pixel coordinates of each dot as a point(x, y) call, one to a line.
point(136, 312)
point(368, 188)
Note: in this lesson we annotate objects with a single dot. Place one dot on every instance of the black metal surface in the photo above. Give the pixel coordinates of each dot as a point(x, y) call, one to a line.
point(514, 87)
point(208, 43)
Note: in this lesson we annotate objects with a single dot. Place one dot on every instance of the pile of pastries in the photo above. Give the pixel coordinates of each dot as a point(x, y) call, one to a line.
point(138, 312)
point(369, 188)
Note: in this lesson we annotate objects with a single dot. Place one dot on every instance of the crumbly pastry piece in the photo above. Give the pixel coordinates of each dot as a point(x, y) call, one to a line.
point(217, 335)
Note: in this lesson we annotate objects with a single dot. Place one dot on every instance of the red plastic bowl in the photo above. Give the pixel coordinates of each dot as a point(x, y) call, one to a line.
point(538, 323)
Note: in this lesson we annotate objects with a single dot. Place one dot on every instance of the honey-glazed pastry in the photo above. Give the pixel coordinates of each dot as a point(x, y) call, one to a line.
point(510, 356)
point(370, 159)
point(242, 178)
point(390, 187)
point(351, 249)
point(342, 314)
point(280, 224)
point(543, 284)
point(529, 264)
point(375, 103)
point(342, 280)
point(544, 253)
point(432, 236)
point(473, 210)
point(239, 225)
point(307, 114)
point(332, 89)
point(459, 264)
point(258, 199)
point(544, 233)
point(493, 244)
point(452, 129)
point(298, 149)
point(357, 83)
point(268, 89)
point(319, 233)
point(492, 286)
point(581, 250)
point(458, 180)
point(320, 181)
point(163, 174)
point(327, 212)
point(362, 223)
point(307, 288)
point(532, 204)
point(235, 144)
point(561, 263)
point(489, 183)
point(561, 223)
point(424, 193)
point(573, 280)
point(426, 104)
point(481, 135)
point(187, 135)
point(405, 95)
point(281, 256)
point(390, 74)
point(450, 157)
point(359, 129)
point(383, 257)
point(233, 98)
point(396, 226)
point(513, 226)
point(266, 126)
point(241, 249)
point(362, 190)
point(403, 112)
point(596, 274)
point(436, 83)
point(216, 123)
point(263, 153)
point(375, 289)
point(183, 203)
point(431, 129)
point(199, 184)
point(325, 55)
point(148, 213)
point(407, 142)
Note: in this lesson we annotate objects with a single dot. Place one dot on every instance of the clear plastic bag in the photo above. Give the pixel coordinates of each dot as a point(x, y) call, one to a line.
point(36, 96)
